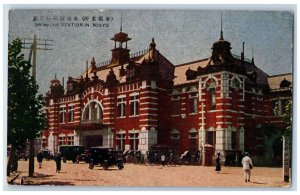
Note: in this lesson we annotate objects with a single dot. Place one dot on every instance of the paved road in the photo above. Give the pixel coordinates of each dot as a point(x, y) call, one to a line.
point(150, 176)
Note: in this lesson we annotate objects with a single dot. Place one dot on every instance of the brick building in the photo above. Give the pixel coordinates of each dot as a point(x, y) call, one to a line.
point(138, 100)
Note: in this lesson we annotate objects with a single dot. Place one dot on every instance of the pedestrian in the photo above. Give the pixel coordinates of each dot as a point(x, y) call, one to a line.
point(58, 162)
point(163, 159)
point(236, 159)
point(218, 163)
point(40, 159)
point(247, 166)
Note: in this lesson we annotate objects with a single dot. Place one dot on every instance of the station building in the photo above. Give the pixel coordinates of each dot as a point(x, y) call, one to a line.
point(137, 100)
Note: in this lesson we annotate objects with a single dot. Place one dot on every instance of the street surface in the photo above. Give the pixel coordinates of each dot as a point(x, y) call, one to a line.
point(148, 176)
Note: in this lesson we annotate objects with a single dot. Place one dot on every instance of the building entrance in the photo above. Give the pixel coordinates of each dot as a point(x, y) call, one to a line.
point(93, 140)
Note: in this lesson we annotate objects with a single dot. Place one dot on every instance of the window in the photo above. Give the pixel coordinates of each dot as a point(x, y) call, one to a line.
point(193, 135)
point(193, 102)
point(70, 140)
point(71, 113)
point(174, 134)
point(121, 106)
point(62, 114)
point(235, 83)
point(130, 73)
point(92, 112)
point(275, 108)
point(62, 140)
point(212, 93)
point(134, 105)
point(134, 141)
point(70, 86)
point(234, 93)
point(211, 137)
point(121, 141)
point(175, 103)
point(193, 139)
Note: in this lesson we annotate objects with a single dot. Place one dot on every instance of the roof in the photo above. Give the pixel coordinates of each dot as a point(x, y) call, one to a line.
point(275, 80)
point(180, 70)
point(103, 71)
point(261, 75)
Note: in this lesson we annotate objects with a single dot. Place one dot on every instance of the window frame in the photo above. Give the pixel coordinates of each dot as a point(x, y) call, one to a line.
point(121, 106)
point(134, 101)
point(71, 113)
point(193, 102)
point(62, 114)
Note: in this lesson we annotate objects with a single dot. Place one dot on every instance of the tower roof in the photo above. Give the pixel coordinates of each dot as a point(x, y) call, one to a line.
point(121, 37)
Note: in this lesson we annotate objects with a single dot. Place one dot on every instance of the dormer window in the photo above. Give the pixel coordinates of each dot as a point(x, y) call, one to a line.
point(130, 73)
point(70, 87)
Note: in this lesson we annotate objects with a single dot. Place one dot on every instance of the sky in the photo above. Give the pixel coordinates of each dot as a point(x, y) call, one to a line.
point(181, 36)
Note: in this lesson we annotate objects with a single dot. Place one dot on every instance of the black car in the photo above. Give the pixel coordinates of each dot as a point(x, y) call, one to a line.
point(71, 152)
point(47, 154)
point(105, 157)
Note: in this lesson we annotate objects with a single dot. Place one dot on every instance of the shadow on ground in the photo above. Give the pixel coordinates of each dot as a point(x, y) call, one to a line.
point(258, 182)
point(45, 179)
point(40, 175)
point(49, 183)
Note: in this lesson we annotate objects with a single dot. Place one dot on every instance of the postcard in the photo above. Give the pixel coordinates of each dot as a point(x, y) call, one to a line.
point(150, 98)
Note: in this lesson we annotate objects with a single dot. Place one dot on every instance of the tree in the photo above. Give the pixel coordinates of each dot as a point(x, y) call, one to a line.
point(25, 106)
point(287, 118)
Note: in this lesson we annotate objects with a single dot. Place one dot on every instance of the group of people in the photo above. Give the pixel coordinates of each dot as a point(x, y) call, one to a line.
point(246, 162)
point(57, 160)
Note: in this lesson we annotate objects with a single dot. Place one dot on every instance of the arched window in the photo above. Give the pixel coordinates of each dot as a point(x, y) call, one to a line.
point(212, 93)
point(211, 90)
point(235, 85)
point(92, 112)
point(174, 136)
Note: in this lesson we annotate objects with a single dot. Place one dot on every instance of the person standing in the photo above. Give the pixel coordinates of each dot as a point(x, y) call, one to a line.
point(218, 163)
point(247, 166)
point(58, 162)
point(40, 159)
point(163, 158)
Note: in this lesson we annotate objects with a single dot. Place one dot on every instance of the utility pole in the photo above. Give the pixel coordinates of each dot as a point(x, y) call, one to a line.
point(34, 45)
point(203, 134)
point(285, 159)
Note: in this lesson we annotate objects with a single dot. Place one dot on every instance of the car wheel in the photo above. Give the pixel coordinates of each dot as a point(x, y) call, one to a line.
point(105, 165)
point(120, 167)
point(91, 166)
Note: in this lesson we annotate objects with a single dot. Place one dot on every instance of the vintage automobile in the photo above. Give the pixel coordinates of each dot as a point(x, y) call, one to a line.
point(71, 152)
point(47, 154)
point(105, 157)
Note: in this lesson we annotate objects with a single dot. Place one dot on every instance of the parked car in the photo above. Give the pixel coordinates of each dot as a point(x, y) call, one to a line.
point(105, 157)
point(47, 154)
point(71, 152)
